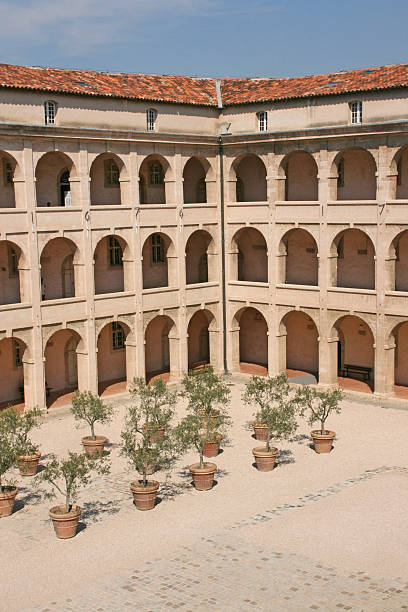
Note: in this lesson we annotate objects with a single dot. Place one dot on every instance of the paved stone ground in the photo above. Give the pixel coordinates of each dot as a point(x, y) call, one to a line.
point(225, 572)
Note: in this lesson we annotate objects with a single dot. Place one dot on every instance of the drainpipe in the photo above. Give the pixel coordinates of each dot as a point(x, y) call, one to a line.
point(224, 296)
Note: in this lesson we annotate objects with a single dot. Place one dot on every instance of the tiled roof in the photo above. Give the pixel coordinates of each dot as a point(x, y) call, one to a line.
point(244, 91)
point(178, 89)
point(199, 91)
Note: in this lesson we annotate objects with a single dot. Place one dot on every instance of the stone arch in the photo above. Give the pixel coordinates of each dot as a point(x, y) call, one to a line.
point(155, 174)
point(61, 274)
point(397, 263)
point(49, 169)
point(250, 341)
point(249, 256)
point(352, 260)
point(299, 168)
point(201, 339)
point(398, 367)
point(15, 371)
point(159, 261)
point(65, 370)
point(14, 274)
point(112, 265)
point(249, 172)
point(399, 174)
point(9, 172)
point(201, 264)
point(298, 262)
point(116, 355)
point(355, 347)
point(109, 175)
point(161, 348)
point(299, 344)
point(354, 175)
point(197, 172)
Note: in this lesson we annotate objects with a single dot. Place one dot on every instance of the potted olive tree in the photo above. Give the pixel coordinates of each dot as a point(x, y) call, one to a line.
point(67, 476)
point(29, 454)
point(319, 404)
point(276, 403)
point(206, 422)
point(148, 442)
point(90, 408)
point(156, 405)
point(8, 454)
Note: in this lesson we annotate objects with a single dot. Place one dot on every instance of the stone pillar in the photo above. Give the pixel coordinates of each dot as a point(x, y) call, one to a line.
point(328, 361)
point(174, 351)
point(234, 348)
point(131, 362)
point(215, 349)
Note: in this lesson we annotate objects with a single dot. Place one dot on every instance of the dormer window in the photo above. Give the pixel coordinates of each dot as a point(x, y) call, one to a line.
point(262, 121)
point(151, 116)
point(356, 112)
point(50, 109)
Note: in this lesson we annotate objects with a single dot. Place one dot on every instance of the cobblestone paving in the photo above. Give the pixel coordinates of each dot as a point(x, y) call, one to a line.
point(225, 572)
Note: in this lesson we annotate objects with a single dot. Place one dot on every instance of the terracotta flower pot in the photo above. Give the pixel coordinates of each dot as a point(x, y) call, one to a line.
point(265, 460)
point(144, 497)
point(260, 430)
point(94, 447)
point(65, 523)
point(203, 477)
point(28, 464)
point(7, 500)
point(322, 442)
point(212, 447)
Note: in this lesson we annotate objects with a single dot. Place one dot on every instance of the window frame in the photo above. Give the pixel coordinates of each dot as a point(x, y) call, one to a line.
point(356, 112)
point(117, 336)
point(12, 262)
point(340, 173)
point(110, 172)
point(17, 356)
point(115, 252)
point(7, 172)
point(159, 174)
point(262, 117)
point(157, 255)
point(50, 112)
point(151, 119)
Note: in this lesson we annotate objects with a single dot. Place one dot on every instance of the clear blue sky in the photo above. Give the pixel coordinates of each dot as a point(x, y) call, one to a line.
point(205, 37)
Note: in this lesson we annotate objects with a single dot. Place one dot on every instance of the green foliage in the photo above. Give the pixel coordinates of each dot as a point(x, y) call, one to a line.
point(90, 408)
point(26, 422)
point(319, 403)
point(208, 397)
point(68, 475)
point(152, 411)
point(276, 403)
point(9, 448)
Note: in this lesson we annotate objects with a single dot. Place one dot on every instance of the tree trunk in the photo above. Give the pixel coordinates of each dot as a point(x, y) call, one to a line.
point(144, 477)
point(322, 426)
point(1, 487)
point(201, 459)
point(93, 431)
point(268, 441)
point(67, 503)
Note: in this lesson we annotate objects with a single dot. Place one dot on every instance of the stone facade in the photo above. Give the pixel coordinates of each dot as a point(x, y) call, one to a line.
point(124, 277)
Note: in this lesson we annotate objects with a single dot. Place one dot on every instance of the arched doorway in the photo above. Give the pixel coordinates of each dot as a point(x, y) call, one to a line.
point(298, 258)
point(113, 265)
point(10, 262)
point(194, 185)
point(7, 187)
point(115, 358)
point(106, 173)
point(61, 366)
point(252, 349)
point(199, 351)
point(353, 260)
point(159, 266)
point(200, 265)
point(300, 170)
point(53, 173)
point(356, 175)
point(249, 257)
point(152, 188)
point(160, 356)
point(355, 365)
point(58, 270)
point(12, 381)
point(302, 347)
point(250, 174)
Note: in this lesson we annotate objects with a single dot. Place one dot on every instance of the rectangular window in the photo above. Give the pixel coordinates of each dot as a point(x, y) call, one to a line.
point(263, 121)
point(111, 173)
point(7, 173)
point(17, 355)
point(399, 172)
point(118, 337)
point(151, 119)
point(356, 110)
point(49, 113)
point(155, 174)
point(13, 262)
point(157, 249)
point(115, 252)
point(340, 173)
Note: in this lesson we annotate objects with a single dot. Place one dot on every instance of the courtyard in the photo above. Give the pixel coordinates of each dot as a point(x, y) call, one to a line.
point(319, 532)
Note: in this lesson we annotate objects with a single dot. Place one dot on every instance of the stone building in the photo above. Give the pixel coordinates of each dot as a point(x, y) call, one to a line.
point(149, 224)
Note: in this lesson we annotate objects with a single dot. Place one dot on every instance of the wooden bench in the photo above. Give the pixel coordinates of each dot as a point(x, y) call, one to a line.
point(357, 370)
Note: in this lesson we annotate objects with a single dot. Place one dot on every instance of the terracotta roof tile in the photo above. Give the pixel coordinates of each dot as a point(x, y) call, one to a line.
point(200, 91)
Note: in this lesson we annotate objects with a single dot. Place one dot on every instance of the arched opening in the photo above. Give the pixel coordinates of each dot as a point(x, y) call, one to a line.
point(250, 174)
point(355, 354)
point(200, 258)
point(298, 259)
point(61, 367)
point(302, 347)
point(12, 381)
point(399, 261)
point(7, 191)
point(11, 287)
point(199, 349)
point(353, 260)
point(106, 172)
point(400, 335)
point(194, 185)
point(253, 341)
point(249, 257)
point(114, 357)
point(301, 182)
point(53, 173)
point(159, 352)
point(400, 164)
point(159, 266)
point(112, 267)
point(356, 175)
point(58, 272)
point(152, 189)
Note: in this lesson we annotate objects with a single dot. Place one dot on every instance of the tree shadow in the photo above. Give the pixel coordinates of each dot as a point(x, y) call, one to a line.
point(284, 457)
point(29, 496)
point(93, 512)
point(300, 438)
point(248, 426)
